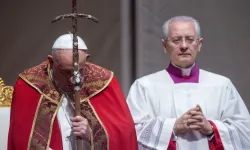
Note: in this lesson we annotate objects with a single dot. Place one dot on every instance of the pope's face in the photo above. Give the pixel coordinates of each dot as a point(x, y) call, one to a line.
point(182, 44)
point(62, 68)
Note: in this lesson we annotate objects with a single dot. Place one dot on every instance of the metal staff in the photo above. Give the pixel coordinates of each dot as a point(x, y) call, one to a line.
point(76, 75)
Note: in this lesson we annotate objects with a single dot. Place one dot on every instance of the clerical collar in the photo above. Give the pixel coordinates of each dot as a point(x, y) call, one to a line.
point(180, 75)
point(184, 71)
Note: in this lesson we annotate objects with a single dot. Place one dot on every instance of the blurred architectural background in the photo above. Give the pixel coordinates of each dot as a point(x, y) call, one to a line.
point(128, 38)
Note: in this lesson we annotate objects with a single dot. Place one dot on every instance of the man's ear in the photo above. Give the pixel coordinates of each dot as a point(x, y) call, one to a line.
point(50, 58)
point(87, 56)
point(201, 40)
point(164, 44)
point(200, 44)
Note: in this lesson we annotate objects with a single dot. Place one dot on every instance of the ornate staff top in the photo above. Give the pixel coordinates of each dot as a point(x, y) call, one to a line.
point(76, 75)
point(74, 15)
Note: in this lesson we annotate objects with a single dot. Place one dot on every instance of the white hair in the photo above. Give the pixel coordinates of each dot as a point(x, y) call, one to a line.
point(181, 18)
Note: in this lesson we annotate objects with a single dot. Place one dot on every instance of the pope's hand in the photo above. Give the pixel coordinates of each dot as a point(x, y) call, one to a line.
point(80, 127)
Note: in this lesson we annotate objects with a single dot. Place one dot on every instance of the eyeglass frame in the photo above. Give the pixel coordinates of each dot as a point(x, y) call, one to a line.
point(190, 40)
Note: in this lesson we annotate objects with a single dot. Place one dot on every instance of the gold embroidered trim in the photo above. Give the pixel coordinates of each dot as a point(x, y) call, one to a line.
point(47, 97)
point(106, 84)
point(44, 122)
point(34, 121)
point(100, 123)
point(5, 94)
point(52, 122)
point(40, 136)
point(91, 139)
point(93, 86)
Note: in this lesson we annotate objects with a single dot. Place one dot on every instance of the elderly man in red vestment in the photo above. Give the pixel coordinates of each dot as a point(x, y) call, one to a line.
point(42, 111)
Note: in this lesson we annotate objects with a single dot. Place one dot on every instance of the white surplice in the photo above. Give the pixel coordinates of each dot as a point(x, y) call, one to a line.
point(155, 102)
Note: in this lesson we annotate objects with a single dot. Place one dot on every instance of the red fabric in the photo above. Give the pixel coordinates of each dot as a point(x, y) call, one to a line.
point(185, 77)
point(215, 143)
point(56, 138)
point(172, 144)
point(23, 110)
point(112, 109)
point(110, 105)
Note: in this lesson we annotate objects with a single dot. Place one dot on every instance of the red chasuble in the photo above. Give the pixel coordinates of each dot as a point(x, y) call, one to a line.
point(34, 124)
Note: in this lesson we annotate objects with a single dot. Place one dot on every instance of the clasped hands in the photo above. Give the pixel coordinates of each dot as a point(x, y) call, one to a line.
point(193, 120)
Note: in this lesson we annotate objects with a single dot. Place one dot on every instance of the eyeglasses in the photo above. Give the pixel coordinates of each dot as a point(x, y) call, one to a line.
point(190, 40)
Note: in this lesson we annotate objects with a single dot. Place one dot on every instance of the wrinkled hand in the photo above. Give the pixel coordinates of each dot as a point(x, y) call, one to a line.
point(181, 124)
point(198, 121)
point(80, 127)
